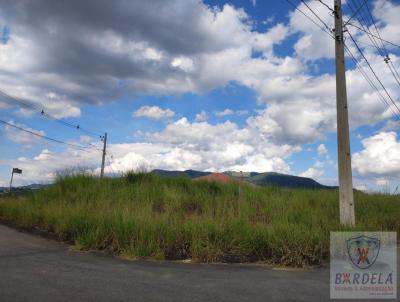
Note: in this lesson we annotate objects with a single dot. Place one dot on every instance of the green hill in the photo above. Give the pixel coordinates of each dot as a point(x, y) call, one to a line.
point(260, 179)
point(280, 180)
point(186, 173)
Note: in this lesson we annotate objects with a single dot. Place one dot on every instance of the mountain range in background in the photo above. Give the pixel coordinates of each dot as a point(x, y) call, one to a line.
point(267, 179)
point(22, 188)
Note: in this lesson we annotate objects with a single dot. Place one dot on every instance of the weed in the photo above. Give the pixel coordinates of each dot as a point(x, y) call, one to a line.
point(142, 215)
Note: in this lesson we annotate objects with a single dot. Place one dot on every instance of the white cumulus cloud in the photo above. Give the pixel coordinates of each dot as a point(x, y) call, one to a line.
point(153, 112)
point(322, 150)
point(311, 173)
point(380, 156)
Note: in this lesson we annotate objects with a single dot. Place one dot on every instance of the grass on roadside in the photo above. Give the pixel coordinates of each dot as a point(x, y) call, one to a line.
point(142, 215)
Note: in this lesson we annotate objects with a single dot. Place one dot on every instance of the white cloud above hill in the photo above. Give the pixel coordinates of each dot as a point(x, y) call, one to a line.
point(311, 173)
point(153, 112)
point(181, 145)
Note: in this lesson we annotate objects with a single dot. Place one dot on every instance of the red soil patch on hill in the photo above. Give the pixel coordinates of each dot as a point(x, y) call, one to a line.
point(222, 178)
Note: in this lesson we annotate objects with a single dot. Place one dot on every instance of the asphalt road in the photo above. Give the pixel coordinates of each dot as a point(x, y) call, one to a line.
point(33, 268)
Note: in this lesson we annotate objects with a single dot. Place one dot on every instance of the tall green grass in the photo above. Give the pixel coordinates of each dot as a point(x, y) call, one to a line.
point(144, 215)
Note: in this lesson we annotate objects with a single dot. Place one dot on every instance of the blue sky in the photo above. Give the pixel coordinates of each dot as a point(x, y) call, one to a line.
point(211, 85)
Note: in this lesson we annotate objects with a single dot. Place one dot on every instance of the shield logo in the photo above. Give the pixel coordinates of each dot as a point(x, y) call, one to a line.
point(363, 251)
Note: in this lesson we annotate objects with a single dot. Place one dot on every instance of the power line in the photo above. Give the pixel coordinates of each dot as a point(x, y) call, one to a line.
point(109, 159)
point(370, 82)
point(326, 5)
point(376, 29)
point(363, 30)
point(381, 50)
point(372, 70)
point(386, 53)
point(33, 107)
point(356, 12)
point(393, 69)
point(364, 44)
point(94, 146)
point(318, 17)
point(366, 28)
point(347, 49)
point(309, 18)
point(83, 148)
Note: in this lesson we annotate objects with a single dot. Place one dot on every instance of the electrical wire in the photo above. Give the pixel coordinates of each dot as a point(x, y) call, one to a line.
point(94, 146)
point(36, 108)
point(365, 31)
point(381, 49)
point(385, 51)
point(362, 20)
point(326, 5)
point(356, 12)
point(83, 148)
point(309, 18)
point(109, 160)
point(316, 15)
point(373, 72)
point(370, 82)
point(355, 60)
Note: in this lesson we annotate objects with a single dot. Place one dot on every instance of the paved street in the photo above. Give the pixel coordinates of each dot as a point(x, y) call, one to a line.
point(36, 269)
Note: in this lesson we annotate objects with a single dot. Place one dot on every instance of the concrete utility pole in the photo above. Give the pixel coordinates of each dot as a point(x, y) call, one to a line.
point(347, 216)
point(104, 154)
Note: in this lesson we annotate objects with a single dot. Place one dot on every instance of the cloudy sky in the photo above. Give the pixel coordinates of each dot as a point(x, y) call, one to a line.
point(189, 84)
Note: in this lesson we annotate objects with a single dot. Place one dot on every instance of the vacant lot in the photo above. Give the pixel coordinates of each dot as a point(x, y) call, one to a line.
point(146, 216)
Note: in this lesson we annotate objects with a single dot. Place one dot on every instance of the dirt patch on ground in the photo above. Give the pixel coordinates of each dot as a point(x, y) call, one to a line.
point(223, 178)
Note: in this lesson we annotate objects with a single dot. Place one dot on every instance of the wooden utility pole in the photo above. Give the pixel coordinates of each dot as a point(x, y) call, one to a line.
point(104, 154)
point(346, 198)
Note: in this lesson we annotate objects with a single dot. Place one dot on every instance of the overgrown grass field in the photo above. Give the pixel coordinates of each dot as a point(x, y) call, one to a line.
point(146, 216)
